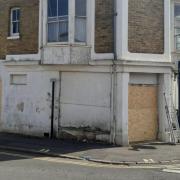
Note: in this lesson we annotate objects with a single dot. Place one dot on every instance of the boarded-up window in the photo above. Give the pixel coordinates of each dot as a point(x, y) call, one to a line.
point(18, 79)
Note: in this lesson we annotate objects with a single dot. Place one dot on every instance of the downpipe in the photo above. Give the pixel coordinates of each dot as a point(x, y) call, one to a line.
point(114, 102)
point(114, 73)
point(53, 81)
point(179, 92)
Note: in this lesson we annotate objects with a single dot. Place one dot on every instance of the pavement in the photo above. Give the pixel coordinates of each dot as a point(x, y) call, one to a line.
point(137, 154)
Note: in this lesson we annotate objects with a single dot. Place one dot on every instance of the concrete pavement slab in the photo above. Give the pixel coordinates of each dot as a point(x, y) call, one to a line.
point(145, 153)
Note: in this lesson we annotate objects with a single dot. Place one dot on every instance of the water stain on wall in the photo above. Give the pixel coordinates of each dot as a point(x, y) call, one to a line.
point(20, 107)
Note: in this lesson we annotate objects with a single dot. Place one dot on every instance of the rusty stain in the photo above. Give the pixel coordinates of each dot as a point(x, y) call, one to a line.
point(20, 106)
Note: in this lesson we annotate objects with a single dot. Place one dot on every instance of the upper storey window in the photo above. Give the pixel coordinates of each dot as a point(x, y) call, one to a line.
point(15, 21)
point(67, 21)
point(57, 20)
point(80, 21)
point(177, 26)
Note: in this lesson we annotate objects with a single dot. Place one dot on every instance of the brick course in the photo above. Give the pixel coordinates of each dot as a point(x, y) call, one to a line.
point(29, 22)
point(104, 26)
point(146, 26)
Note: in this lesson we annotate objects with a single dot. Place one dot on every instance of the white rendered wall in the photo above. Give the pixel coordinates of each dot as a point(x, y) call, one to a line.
point(27, 108)
point(82, 99)
point(85, 96)
point(121, 132)
point(143, 78)
point(164, 87)
point(175, 94)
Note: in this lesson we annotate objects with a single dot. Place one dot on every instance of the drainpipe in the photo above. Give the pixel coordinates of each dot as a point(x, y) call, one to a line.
point(41, 21)
point(179, 92)
point(114, 74)
point(52, 108)
point(114, 28)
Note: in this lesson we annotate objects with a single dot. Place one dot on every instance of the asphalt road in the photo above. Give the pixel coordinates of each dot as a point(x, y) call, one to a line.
point(20, 166)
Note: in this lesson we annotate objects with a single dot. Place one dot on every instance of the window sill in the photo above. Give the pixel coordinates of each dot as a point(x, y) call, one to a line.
point(66, 45)
point(13, 37)
point(175, 52)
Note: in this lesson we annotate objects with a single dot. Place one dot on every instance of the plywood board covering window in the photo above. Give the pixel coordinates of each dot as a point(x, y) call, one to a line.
point(143, 121)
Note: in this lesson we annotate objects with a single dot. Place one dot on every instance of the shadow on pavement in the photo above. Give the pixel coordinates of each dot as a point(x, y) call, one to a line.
point(10, 156)
point(48, 145)
point(88, 150)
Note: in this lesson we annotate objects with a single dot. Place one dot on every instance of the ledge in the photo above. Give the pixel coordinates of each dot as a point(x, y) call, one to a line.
point(13, 37)
point(20, 63)
point(131, 62)
point(23, 57)
point(52, 44)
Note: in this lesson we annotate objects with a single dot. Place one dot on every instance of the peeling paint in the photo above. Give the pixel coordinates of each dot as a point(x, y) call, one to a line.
point(84, 134)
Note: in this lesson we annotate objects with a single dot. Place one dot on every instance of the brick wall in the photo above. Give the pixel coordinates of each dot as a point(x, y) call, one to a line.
point(146, 26)
point(29, 22)
point(104, 26)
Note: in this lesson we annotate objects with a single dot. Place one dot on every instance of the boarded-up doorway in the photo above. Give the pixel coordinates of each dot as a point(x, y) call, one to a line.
point(143, 121)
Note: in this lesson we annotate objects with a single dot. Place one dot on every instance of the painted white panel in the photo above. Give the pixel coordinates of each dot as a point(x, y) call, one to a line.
point(85, 100)
point(80, 55)
point(66, 54)
point(142, 78)
point(56, 55)
point(91, 89)
point(85, 116)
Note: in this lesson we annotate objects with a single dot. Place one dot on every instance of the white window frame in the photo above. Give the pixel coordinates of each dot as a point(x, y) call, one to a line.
point(174, 44)
point(71, 24)
point(80, 17)
point(122, 36)
point(11, 23)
